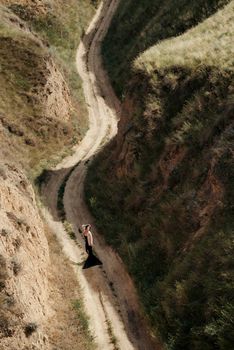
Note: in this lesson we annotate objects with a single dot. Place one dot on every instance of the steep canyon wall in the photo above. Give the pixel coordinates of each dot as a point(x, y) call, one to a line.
point(168, 175)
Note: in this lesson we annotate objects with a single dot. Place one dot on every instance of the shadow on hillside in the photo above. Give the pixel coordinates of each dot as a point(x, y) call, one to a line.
point(51, 185)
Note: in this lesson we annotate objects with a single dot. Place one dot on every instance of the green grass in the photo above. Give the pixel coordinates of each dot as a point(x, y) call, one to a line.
point(84, 322)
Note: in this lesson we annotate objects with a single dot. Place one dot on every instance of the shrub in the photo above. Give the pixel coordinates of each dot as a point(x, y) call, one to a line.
point(16, 266)
point(30, 328)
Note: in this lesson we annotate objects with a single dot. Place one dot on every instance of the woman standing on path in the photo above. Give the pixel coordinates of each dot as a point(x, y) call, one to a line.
point(88, 239)
point(92, 260)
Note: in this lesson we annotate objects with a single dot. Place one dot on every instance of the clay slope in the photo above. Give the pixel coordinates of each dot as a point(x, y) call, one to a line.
point(24, 262)
point(37, 123)
point(36, 107)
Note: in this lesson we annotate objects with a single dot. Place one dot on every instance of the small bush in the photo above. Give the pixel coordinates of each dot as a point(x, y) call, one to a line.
point(30, 328)
point(60, 204)
point(5, 326)
point(69, 230)
point(3, 272)
point(43, 178)
point(16, 220)
point(4, 232)
point(16, 267)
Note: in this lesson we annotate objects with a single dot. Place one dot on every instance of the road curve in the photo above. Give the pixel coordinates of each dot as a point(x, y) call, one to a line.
point(110, 297)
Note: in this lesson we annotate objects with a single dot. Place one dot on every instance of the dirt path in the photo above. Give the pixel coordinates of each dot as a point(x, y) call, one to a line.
point(109, 294)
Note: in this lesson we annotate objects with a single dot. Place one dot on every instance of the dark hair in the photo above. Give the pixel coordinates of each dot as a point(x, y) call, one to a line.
point(86, 226)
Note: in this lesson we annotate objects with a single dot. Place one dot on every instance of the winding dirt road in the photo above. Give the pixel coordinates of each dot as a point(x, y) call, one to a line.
point(110, 298)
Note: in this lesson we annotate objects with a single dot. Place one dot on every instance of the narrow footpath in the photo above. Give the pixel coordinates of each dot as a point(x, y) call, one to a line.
point(110, 298)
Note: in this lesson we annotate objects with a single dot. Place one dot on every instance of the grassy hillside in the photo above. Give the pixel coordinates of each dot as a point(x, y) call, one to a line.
point(139, 25)
point(62, 25)
point(42, 115)
point(42, 107)
point(168, 179)
point(26, 65)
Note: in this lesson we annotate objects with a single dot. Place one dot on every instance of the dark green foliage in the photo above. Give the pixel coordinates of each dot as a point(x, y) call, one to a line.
point(3, 272)
point(43, 178)
point(30, 328)
point(22, 11)
point(150, 232)
point(60, 204)
point(139, 25)
point(95, 3)
point(195, 298)
point(188, 295)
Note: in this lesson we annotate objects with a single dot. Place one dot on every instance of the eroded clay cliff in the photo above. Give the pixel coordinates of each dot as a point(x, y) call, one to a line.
point(37, 122)
point(24, 258)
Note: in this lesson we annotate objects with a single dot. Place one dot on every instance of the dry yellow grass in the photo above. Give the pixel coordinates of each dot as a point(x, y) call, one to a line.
point(39, 40)
point(210, 43)
point(27, 70)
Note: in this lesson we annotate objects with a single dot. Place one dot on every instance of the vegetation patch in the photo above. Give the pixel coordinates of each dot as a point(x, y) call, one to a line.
point(69, 230)
point(83, 319)
point(30, 328)
point(3, 272)
point(60, 204)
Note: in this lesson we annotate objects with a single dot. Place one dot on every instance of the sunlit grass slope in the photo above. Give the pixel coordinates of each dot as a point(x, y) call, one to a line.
point(210, 43)
point(61, 25)
point(140, 24)
point(204, 57)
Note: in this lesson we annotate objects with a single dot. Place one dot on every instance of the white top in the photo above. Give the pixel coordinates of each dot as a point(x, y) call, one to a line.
point(88, 234)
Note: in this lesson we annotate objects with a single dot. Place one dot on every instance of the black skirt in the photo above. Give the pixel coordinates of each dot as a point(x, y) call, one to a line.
point(92, 260)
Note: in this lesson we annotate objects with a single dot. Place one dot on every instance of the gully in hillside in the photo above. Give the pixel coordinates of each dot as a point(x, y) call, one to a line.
point(92, 260)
